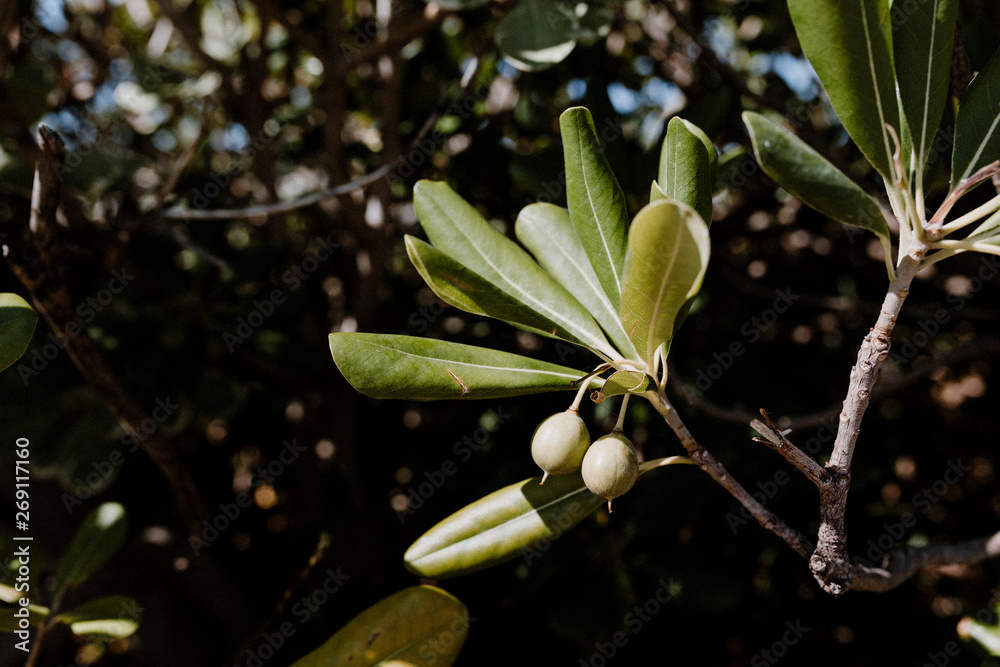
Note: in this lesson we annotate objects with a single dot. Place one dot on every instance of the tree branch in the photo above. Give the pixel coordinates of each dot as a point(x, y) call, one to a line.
point(40, 266)
point(796, 540)
point(830, 563)
point(904, 562)
point(776, 440)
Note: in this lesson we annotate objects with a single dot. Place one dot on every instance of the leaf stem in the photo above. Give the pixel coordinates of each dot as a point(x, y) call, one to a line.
point(973, 215)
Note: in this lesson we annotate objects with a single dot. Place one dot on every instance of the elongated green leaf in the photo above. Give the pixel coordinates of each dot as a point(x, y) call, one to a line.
point(846, 44)
point(456, 229)
point(110, 617)
point(417, 627)
point(689, 166)
point(977, 129)
point(596, 201)
point(537, 34)
point(923, 39)
point(810, 177)
point(460, 5)
point(102, 532)
point(17, 324)
point(10, 622)
point(668, 254)
point(515, 520)
point(424, 369)
point(547, 231)
point(462, 288)
point(988, 228)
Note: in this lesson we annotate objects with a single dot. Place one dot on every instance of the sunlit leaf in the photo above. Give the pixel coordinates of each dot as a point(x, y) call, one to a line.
point(10, 622)
point(596, 201)
point(17, 324)
point(462, 288)
point(110, 617)
point(456, 229)
point(845, 40)
point(977, 129)
point(689, 166)
point(102, 532)
point(423, 369)
point(418, 627)
point(547, 231)
point(503, 525)
point(809, 176)
point(668, 254)
point(537, 34)
point(923, 39)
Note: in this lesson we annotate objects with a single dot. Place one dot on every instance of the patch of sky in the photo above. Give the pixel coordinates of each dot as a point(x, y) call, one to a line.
point(52, 15)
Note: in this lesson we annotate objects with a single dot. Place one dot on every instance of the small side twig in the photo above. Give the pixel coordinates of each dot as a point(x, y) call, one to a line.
point(775, 438)
point(701, 456)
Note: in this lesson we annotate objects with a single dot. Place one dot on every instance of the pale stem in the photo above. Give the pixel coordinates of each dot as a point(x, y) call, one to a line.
point(973, 215)
point(621, 415)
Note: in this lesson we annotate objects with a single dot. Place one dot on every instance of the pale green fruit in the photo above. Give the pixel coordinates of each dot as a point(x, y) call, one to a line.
point(610, 467)
point(559, 443)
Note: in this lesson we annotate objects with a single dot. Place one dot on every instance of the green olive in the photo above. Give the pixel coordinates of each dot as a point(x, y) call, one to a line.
point(610, 467)
point(559, 443)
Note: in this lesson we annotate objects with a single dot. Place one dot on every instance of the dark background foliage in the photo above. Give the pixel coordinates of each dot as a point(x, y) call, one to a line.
point(158, 101)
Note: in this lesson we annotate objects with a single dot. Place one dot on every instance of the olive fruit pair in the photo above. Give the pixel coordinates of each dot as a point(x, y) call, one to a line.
point(561, 445)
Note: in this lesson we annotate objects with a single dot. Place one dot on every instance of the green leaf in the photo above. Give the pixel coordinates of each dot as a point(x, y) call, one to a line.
point(977, 129)
point(17, 324)
point(456, 229)
point(11, 623)
point(424, 369)
point(418, 627)
point(462, 288)
point(596, 201)
point(988, 636)
point(110, 617)
point(689, 166)
point(845, 42)
point(460, 5)
point(988, 228)
point(537, 34)
point(102, 532)
point(515, 520)
point(809, 176)
point(547, 231)
point(625, 382)
point(668, 254)
point(923, 40)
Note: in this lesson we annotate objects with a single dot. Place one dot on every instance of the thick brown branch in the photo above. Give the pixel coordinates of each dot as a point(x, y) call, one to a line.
point(904, 562)
point(38, 265)
point(830, 563)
